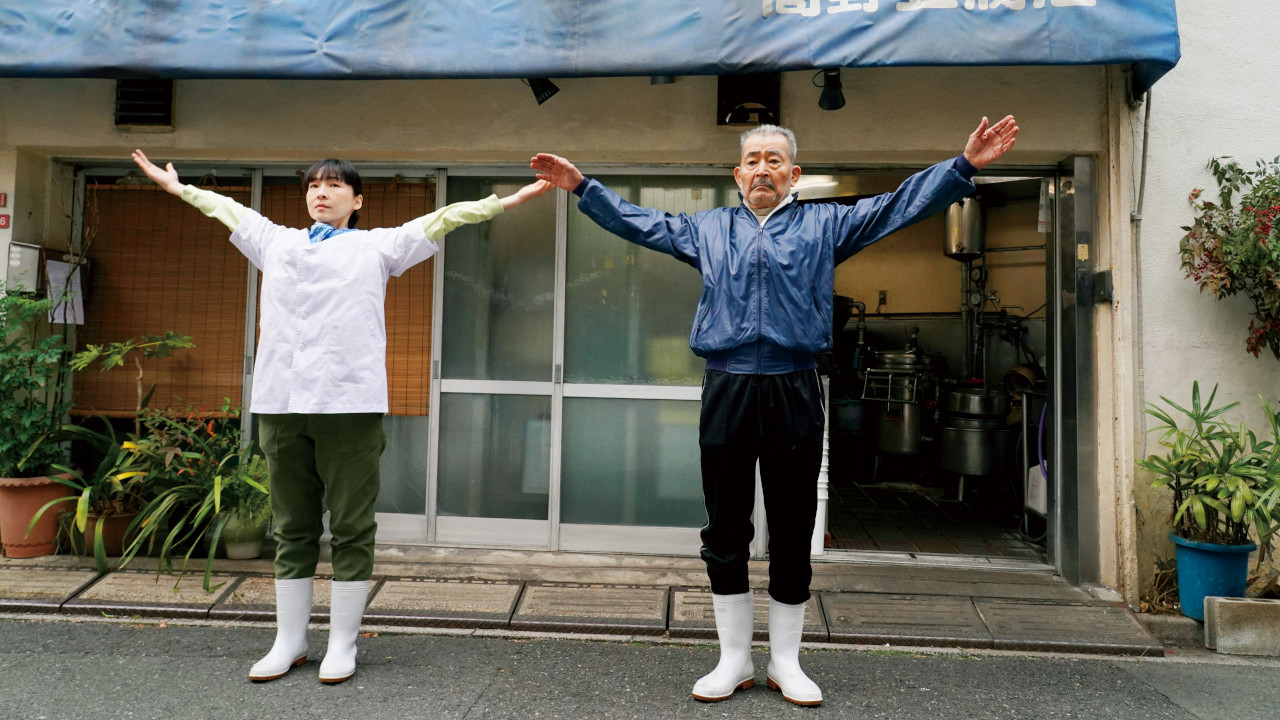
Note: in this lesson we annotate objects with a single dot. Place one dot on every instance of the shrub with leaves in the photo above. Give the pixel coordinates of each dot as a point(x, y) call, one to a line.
point(149, 347)
point(201, 476)
point(31, 403)
point(1233, 246)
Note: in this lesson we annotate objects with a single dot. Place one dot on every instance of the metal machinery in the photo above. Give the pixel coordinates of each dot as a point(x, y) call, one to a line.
point(928, 420)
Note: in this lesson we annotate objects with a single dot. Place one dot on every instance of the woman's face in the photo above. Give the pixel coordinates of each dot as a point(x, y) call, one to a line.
point(331, 201)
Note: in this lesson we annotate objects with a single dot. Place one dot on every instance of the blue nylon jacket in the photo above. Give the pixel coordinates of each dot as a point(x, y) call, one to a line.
point(767, 290)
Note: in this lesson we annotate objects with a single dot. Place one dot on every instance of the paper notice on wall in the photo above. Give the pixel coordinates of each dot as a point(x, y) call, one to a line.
point(64, 289)
point(1042, 221)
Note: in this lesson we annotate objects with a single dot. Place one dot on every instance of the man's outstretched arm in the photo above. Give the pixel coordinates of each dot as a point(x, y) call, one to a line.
point(924, 194)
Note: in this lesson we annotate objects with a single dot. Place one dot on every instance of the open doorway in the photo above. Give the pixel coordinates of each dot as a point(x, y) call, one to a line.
point(938, 432)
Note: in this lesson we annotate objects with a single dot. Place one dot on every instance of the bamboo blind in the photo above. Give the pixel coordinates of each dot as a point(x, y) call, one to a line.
point(408, 305)
point(158, 264)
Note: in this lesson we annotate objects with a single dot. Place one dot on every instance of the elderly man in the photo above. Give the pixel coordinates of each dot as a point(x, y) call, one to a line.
point(767, 270)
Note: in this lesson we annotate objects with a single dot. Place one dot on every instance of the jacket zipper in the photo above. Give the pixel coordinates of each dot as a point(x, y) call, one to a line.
point(759, 289)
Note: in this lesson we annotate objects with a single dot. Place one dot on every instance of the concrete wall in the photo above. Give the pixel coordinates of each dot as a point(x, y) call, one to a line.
point(904, 115)
point(1220, 100)
point(8, 184)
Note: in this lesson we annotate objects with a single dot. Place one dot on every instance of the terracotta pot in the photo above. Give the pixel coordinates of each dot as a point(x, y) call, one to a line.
point(113, 528)
point(20, 498)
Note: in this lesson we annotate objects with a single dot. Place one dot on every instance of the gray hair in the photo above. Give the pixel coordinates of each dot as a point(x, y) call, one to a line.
point(769, 130)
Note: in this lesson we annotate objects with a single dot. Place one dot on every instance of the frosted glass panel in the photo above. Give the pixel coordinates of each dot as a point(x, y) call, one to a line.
point(631, 462)
point(495, 456)
point(499, 289)
point(628, 309)
point(404, 465)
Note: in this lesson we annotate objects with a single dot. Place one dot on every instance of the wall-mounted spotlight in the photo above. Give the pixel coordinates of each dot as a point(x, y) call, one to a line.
point(832, 98)
point(542, 89)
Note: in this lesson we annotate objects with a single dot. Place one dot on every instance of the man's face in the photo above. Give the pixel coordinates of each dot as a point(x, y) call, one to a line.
point(765, 174)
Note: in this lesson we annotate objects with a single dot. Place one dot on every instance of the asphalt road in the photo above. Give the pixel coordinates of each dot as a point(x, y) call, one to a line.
point(64, 670)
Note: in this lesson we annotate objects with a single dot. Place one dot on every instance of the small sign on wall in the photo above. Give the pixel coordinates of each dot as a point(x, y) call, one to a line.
point(4, 221)
point(4, 199)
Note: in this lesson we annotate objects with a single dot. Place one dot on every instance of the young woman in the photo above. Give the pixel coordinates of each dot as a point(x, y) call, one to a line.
point(320, 384)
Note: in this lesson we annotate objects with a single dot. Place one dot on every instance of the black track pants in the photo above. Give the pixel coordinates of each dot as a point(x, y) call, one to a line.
point(777, 419)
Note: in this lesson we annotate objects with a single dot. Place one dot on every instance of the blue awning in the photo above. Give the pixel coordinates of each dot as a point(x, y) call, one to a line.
point(347, 39)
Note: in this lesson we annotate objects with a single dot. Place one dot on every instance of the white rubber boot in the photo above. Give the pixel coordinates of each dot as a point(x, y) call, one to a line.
point(346, 610)
point(735, 621)
point(293, 612)
point(786, 625)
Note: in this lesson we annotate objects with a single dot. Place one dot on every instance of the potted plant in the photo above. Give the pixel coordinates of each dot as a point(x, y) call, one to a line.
point(31, 408)
point(1234, 247)
point(208, 486)
point(107, 496)
point(248, 510)
point(1225, 490)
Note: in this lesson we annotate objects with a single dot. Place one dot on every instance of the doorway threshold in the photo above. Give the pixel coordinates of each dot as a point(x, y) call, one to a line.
point(931, 560)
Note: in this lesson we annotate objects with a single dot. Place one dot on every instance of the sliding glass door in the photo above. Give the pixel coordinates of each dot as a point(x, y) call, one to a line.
point(568, 396)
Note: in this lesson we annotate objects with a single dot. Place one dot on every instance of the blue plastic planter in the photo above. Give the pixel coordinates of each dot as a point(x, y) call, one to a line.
point(1209, 570)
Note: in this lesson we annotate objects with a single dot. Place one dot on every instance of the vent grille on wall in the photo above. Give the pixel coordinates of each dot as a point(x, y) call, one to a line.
point(749, 99)
point(144, 102)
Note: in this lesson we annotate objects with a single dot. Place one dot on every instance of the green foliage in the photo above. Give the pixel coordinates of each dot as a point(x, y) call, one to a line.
point(200, 476)
point(117, 485)
point(31, 404)
point(1224, 480)
point(1235, 248)
point(113, 355)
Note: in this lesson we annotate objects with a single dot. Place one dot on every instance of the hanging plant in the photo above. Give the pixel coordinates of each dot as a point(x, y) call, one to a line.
point(1233, 247)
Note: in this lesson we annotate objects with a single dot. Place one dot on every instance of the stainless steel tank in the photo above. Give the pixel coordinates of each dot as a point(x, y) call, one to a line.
point(971, 435)
point(965, 230)
point(897, 383)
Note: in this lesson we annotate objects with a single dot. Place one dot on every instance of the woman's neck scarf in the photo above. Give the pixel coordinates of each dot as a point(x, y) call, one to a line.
point(323, 231)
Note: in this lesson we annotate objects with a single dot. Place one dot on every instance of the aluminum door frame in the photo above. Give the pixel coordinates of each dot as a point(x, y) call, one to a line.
point(1074, 532)
point(481, 531)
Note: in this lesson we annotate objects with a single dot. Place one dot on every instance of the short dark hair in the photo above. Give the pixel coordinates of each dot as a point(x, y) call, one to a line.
point(340, 170)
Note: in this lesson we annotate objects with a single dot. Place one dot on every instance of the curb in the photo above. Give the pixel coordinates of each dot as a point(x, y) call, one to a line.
point(1173, 630)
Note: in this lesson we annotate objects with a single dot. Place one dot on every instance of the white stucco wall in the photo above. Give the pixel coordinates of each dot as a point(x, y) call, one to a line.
point(1221, 99)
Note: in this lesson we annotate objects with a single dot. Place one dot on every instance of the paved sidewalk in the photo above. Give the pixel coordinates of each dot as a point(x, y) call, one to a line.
point(53, 669)
point(865, 604)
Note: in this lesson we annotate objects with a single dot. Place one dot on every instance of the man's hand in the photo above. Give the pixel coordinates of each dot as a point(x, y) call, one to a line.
point(987, 144)
point(556, 170)
point(167, 178)
point(525, 194)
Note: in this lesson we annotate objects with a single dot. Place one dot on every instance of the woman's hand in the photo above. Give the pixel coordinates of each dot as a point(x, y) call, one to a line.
point(166, 178)
point(526, 193)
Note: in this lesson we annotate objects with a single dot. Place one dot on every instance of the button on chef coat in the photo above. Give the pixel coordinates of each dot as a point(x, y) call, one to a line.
point(323, 346)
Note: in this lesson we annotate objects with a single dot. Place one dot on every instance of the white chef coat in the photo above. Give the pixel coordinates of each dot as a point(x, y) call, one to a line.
point(323, 343)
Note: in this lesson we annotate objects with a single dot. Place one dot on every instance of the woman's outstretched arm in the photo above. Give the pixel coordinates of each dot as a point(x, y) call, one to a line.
point(526, 193)
point(221, 208)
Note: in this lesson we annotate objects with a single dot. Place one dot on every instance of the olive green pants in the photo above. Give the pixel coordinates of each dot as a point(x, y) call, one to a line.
point(316, 460)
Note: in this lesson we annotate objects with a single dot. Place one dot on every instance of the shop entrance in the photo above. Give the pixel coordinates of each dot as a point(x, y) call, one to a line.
point(943, 438)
